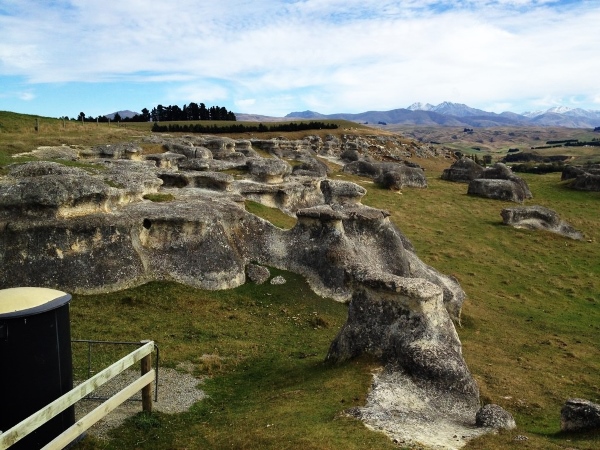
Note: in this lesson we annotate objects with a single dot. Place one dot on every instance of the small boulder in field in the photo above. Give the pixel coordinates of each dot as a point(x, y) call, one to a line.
point(257, 274)
point(579, 415)
point(494, 416)
point(462, 171)
point(539, 218)
point(497, 189)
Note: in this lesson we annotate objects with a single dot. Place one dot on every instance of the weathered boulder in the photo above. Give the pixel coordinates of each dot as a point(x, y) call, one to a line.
point(579, 415)
point(506, 190)
point(257, 274)
point(289, 196)
point(220, 146)
point(397, 176)
point(363, 168)
point(539, 218)
point(463, 171)
point(586, 182)
point(49, 189)
point(166, 160)
point(403, 322)
point(343, 192)
point(268, 170)
point(190, 151)
point(125, 150)
point(500, 171)
point(494, 416)
point(311, 167)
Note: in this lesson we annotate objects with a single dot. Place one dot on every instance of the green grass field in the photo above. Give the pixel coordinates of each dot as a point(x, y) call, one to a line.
point(530, 328)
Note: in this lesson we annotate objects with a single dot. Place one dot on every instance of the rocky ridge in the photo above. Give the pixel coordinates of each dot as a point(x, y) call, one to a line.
point(93, 229)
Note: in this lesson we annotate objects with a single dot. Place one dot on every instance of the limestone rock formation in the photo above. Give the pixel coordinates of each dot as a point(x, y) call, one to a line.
point(579, 415)
point(539, 218)
point(463, 171)
point(500, 171)
point(494, 416)
point(496, 189)
point(389, 175)
point(584, 178)
point(257, 274)
point(86, 231)
point(499, 183)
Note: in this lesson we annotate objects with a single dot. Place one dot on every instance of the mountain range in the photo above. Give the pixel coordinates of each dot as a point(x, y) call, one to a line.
point(460, 115)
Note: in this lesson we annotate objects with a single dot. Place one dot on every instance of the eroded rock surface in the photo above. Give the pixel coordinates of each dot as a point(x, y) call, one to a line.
point(494, 416)
point(499, 183)
point(583, 178)
point(93, 231)
point(579, 415)
point(539, 218)
point(463, 171)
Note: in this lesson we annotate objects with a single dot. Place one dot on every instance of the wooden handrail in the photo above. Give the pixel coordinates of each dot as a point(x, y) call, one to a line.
point(37, 419)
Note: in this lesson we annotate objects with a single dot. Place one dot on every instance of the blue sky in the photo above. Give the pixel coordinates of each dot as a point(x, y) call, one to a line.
point(272, 57)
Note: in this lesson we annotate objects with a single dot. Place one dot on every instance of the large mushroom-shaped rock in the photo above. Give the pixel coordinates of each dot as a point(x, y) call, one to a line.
point(539, 218)
point(268, 170)
point(403, 322)
point(497, 189)
point(426, 384)
point(579, 415)
point(463, 171)
point(494, 416)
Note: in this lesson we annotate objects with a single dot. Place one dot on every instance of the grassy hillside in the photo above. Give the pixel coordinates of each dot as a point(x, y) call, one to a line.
point(531, 325)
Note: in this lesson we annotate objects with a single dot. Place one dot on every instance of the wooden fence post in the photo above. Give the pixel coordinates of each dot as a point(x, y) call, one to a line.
point(37, 125)
point(146, 366)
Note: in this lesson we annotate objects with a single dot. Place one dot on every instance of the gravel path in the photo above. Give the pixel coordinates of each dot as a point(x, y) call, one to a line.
point(177, 392)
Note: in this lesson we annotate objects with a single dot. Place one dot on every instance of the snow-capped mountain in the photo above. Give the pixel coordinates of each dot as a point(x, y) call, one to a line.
point(458, 114)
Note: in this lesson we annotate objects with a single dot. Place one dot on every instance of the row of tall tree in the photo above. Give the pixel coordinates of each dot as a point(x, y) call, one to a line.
point(171, 113)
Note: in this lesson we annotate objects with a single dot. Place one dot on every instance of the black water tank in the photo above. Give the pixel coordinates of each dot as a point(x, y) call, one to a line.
point(36, 365)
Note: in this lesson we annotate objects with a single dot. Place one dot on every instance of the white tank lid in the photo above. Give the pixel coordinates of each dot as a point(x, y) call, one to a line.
point(15, 302)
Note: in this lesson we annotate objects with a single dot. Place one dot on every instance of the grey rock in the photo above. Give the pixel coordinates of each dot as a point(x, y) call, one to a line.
point(278, 280)
point(268, 170)
point(463, 171)
point(343, 192)
point(257, 274)
point(506, 190)
point(579, 415)
point(166, 160)
point(494, 416)
point(391, 318)
point(500, 171)
point(539, 218)
point(397, 176)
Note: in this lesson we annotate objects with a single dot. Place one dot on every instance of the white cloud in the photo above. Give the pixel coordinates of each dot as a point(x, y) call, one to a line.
point(333, 55)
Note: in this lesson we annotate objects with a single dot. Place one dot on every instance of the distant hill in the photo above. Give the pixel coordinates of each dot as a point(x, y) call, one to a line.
point(124, 114)
point(458, 114)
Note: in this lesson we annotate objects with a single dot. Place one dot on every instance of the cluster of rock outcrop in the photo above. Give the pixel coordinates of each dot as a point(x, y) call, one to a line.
point(583, 178)
point(91, 229)
point(496, 182)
